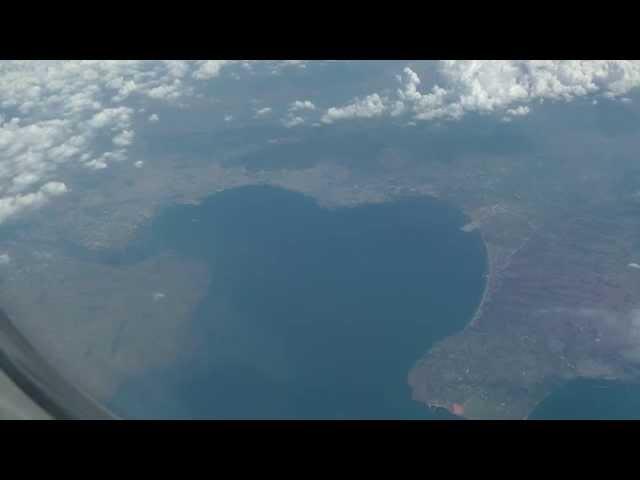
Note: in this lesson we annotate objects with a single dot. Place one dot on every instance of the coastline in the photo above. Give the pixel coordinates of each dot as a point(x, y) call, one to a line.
point(489, 277)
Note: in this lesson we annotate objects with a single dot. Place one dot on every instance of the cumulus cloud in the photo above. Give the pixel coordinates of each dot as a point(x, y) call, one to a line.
point(4, 259)
point(486, 86)
point(52, 114)
point(368, 107)
point(153, 118)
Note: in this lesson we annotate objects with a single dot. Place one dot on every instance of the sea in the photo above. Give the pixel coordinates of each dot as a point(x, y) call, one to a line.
point(320, 313)
point(311, 312)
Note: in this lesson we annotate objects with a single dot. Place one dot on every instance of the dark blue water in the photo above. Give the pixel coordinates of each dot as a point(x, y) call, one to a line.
point(311, 312)
point(591, 400)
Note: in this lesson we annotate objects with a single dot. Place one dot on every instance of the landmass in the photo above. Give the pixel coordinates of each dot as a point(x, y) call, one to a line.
point(563, 249)
point(121, 320)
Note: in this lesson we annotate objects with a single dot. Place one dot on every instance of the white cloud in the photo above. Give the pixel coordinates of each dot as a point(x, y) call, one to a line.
point(370, 106)
point(228, 118)
point(157, 296)
point(177, 68)
point(518, 111)
point(138, 164)
point(52, 114)
point(167, 91)
point(154, 118)
point(301, 105)
point(55, 115)
point(208, 69)
point(293, 118)
point(4, 259)
point(12, 205)
point(263, 111)
point(292, 121)
point(486, 86)
point(113, 118)
point(54, 188)
point(124, 138)
point(96, 164)
point(23, 180)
